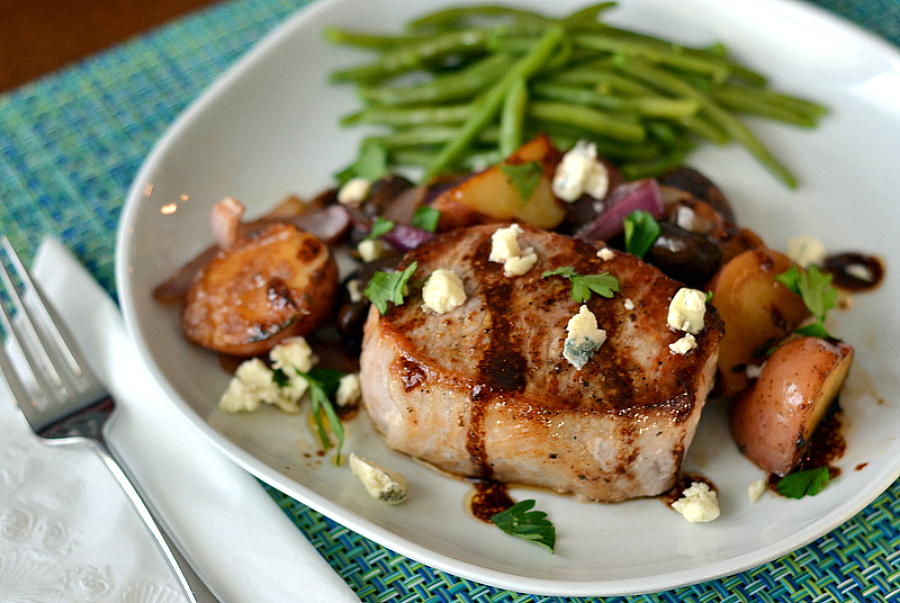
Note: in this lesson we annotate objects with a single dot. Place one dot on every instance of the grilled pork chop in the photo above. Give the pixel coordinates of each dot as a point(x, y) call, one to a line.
point(484, 390)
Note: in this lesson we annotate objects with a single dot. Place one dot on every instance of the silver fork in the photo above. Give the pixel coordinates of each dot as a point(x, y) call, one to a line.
point(62, 400)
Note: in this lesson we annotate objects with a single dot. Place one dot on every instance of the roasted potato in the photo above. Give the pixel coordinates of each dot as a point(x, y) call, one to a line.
point(279, 282)
point(490, 196)
point(773, 421)
point(758, 312)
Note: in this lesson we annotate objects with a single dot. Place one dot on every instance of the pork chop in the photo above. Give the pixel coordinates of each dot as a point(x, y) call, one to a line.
point(484, 390)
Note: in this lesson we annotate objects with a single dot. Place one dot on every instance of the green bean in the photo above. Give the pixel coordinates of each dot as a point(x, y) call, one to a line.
point(806, 109)
point(614, 125)
point(603, 78)
point(651, 168)
point(579, 96)
point(486, 106)
point(402, 117)
point(586, 17)
point(711, 66)
point(486, 77)
point(743, 103)
point(659, 106)
point(419, 158)
point(715, 50)
point(512, 117)
point(428, 136)
point(565, 137)
point(414, 56)
point(662, 131)
point(443, 88)
point(701, 126)
point(720, 117)
point(346, 37)
point(454, 16)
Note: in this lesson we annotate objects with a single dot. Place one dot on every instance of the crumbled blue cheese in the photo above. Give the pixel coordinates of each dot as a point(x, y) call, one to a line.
point(580, 172)
point(355, 191)
point(443, 291)
point(686, 310)
point(806, 250)
point(370, 249)
point(254, 383)
point(584, 338)
point(753, 371)
point(349, 391)
point(629, 305)
point(505, 249)
point(698, 503)
point(381, 484)
point(684, 345)
point(293, 353)
point(354, 290)
point(606, 254)
point(756, 489)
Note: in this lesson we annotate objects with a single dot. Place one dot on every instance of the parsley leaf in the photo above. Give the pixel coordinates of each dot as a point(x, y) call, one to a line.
point(388, 287)
point(814, 288)
point(803, 483)
point(380, 227)
point(371, 163)
point(533, 526)
point(603, 284)
point(524, 176)
point(323, 384)
point(641, 231)
point(426, 218)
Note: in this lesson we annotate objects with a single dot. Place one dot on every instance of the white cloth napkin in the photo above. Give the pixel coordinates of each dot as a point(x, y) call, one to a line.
point(93, 544)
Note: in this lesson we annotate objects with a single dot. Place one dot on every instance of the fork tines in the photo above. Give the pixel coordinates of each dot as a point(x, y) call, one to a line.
point(52, 360)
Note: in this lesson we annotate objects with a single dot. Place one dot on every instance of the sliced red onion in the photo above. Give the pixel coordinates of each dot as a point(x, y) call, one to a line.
point(329, 224)
point(624, 199)
point(406, 238)
point(225, 220)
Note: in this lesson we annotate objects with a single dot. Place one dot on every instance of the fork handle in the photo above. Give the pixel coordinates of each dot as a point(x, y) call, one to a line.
point(119, 470)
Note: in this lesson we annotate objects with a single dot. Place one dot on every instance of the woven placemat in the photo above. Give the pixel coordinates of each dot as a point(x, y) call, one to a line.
point(71, 143)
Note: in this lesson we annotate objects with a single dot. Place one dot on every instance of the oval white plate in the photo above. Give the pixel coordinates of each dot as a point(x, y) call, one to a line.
point(268, 128)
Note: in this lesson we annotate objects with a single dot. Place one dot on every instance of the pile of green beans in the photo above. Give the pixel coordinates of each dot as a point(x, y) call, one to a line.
point(466, 86)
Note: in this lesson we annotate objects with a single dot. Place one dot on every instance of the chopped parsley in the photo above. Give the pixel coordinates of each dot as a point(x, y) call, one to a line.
point(814, 288)
point(426, 218)
point(380, 227)
point(641, 231)
point(603, 284)
point(520, 521)
point(389, 287)
point(371, 163)
point(803, 483)
point(323, 384)
point(523, 176)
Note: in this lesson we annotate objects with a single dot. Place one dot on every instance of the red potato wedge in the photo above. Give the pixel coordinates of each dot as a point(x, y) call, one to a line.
point(758, 312)
point(277, 283)
point(489, 196)
point(773, 421)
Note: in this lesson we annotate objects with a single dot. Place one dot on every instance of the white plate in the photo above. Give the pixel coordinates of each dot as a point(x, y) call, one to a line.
point(268, 127)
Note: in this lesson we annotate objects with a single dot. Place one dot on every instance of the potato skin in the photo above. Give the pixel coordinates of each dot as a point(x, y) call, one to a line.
point(773, 421)
point(758, 312)
point(277, 283)
point(489, 196)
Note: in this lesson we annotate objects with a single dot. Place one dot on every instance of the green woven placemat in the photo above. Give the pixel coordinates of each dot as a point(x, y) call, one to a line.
point(71, 143)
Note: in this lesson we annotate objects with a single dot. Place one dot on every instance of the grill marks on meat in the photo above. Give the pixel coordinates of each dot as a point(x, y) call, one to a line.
point(484, 391)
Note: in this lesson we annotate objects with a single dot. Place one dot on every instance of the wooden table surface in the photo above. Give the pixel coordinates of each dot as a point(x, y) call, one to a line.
point(40, 36)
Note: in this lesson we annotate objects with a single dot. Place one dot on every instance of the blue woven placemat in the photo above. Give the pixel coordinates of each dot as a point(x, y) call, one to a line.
point(70, 145)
